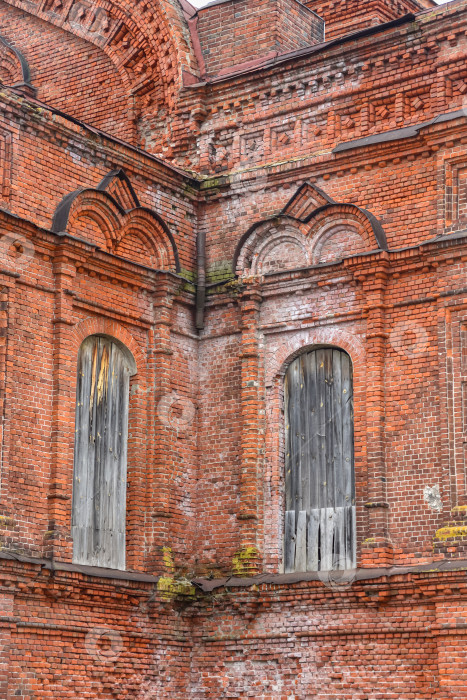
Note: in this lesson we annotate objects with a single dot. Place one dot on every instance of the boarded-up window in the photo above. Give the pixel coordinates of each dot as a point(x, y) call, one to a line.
point(100, 462)
point(319, 463)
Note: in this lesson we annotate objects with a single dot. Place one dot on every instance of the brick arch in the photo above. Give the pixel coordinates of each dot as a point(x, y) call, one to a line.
point(257, 247)
point(118, 27)
point(96, 216)
point(158, 247)
point(14, 68)
point(10, 66)
point(330, 233)
point(103, 326)
point(96, 207)
point(335, 217)
point(281, 356)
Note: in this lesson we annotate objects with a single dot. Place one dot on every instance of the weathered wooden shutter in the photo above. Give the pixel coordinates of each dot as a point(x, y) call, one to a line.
point(100, 461)
point(319, 463)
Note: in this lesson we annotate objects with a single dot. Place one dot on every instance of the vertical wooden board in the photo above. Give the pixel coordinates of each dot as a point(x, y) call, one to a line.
point(294, 404)
point(289, 542)
point(121, 469)
point(326, 538)
point(350, 537)
point(300, 542)
point(321, 452)
point(330, 417)
point(348, 431)
point(339, 546)
point(299, 418)
point(95, 497)
point(288, 442)
point(304, 499)
point(81, 468)
point(115, 370)
point(313, 431)
point(336, 427)
point(313, 540)
point(100, 402)
point(120, 548)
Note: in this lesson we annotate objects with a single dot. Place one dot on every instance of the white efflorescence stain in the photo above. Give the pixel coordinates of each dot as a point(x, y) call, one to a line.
point(432, 496)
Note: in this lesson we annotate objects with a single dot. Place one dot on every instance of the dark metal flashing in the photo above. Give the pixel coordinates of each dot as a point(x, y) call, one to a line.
point(123, 177)
point(62, 213)
point(208, 585)
point(191, 177)
point(378, 231)
point(407, 132)
point(377, 227)
point(94, 571)
point(309, 50)
point(22, 60)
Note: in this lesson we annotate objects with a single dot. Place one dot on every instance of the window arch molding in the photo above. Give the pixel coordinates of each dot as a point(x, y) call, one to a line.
point(279, 356)
point(106, 327)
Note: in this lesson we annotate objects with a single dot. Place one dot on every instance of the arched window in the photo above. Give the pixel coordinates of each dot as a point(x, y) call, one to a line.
point(319, 462)
point(100, 459)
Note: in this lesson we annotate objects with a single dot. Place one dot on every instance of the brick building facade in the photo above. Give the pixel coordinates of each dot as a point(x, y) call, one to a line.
point(197, 208)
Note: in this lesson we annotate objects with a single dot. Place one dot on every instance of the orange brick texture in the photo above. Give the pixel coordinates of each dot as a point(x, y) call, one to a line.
point(221, 190)
point(233, 33)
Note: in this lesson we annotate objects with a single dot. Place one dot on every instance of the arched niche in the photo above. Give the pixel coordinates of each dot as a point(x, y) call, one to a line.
point(138, 235)
point(311, 230)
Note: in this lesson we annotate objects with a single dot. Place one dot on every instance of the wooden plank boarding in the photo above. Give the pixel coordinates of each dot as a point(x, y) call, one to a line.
point(320, 485)
point(312, 561)
point(289, 541)
point(300, 542)
point(100, 462)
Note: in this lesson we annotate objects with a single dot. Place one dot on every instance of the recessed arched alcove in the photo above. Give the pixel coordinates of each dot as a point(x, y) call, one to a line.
point(311, 230)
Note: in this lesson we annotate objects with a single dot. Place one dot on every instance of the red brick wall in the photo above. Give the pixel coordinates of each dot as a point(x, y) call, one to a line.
point(347, 16)
point(206, 446)
point(70, 74)
point(238, 31)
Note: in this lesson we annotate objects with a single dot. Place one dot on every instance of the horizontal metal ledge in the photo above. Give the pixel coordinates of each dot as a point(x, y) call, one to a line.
point(406, 132)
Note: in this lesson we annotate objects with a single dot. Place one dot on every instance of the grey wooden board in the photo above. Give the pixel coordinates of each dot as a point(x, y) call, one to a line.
point(300, 542)
point(319, 460)
point(100, 463)
point(289, 546)
point(348, 433)
point(339, 558)
point(326, 540)
point(312, 563)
